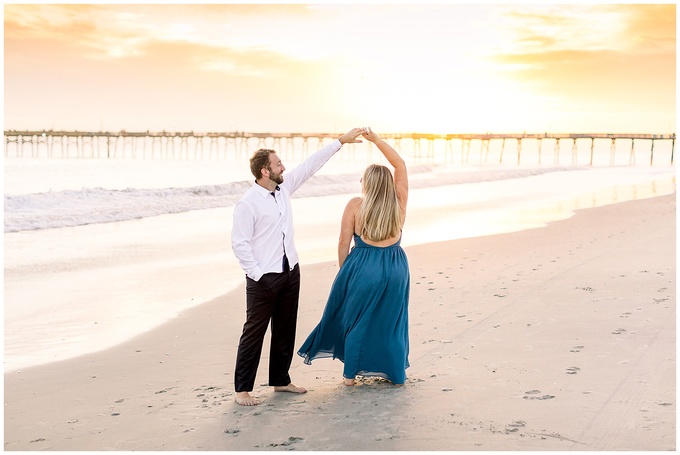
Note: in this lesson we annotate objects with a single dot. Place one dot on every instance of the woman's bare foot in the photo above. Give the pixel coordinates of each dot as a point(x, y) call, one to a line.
point(349, 382)
point(245, 399)
point(291, 388)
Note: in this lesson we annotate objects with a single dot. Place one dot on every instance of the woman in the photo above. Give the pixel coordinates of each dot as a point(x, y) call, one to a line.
point(365, 322)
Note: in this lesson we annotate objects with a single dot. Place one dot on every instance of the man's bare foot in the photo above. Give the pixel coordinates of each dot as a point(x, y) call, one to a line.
point(245, 399)
point(349, 382)
point(292, 388)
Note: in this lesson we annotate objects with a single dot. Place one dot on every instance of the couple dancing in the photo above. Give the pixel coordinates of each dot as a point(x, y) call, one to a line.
point(365, 321)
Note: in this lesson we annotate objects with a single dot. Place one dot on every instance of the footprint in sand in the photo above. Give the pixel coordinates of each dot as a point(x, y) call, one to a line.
point(291, 440)
point(576, 349)
point(164, 390)
point(211, 395)
point(618, 331)
point(625, 315)
point(536, 395)
point(573, 370)
point(515, 426)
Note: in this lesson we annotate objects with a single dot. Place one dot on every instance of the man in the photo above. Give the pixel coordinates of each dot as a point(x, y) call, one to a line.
point(262, 240)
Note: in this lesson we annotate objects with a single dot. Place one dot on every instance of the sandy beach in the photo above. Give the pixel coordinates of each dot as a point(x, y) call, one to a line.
point(554, 338)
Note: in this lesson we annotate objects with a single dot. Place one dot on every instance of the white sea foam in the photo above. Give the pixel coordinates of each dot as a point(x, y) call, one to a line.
point(68, 208)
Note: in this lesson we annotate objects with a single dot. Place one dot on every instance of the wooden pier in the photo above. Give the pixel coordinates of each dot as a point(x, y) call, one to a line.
point(197, 145)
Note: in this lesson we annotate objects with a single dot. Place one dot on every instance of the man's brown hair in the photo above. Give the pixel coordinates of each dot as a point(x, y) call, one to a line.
point(260, 160)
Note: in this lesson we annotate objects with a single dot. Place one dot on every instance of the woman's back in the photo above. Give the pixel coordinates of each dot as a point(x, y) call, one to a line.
point(358, 228)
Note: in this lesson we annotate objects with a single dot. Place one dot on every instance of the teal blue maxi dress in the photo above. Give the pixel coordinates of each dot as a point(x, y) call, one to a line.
point(365, 321)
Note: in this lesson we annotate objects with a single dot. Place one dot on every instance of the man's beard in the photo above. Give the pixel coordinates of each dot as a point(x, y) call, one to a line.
point(278, 178)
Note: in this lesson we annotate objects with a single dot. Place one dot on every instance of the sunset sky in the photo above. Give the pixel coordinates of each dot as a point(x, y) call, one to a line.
point(439, 68)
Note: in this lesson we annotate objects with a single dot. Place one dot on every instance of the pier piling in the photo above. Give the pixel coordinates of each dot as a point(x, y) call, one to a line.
point(192, 145)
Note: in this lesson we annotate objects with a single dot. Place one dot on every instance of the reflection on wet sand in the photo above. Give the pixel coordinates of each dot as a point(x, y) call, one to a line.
point(447, 224)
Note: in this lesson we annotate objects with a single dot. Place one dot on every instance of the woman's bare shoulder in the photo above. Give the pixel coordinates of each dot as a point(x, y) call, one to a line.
point(354, 202)
point(353, 206)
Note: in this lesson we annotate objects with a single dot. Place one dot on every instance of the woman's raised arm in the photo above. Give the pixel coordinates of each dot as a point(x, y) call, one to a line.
point(399, 165)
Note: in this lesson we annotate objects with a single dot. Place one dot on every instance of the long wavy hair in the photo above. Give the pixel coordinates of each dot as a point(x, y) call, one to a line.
point(380, 214)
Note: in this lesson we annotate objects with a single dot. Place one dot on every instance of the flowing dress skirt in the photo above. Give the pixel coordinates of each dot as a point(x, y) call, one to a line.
point(365, 321)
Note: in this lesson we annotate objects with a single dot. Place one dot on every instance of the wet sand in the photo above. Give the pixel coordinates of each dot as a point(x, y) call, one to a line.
point(554, 338)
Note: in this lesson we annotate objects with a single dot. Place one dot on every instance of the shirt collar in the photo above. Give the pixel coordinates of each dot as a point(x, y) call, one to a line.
point(264, 192)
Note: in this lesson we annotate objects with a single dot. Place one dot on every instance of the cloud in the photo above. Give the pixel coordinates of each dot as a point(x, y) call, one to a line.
point(651, 28)
point(632, 70)
point(55, 22)
point(105, 31)
point(164, 84)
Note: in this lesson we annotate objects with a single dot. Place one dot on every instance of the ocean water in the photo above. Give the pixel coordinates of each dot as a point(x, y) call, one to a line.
point(99, 250)
point(43, 193)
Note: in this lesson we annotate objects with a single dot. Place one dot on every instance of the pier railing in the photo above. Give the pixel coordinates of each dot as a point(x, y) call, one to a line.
point(423, 146)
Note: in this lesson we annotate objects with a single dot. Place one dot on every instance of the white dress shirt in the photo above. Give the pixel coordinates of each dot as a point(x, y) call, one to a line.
point(263, 224)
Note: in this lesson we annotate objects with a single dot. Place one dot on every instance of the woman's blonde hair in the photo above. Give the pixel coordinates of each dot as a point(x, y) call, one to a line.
point(380, 214)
